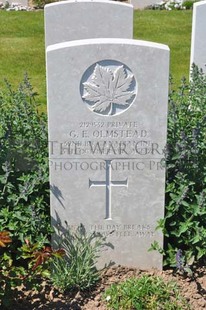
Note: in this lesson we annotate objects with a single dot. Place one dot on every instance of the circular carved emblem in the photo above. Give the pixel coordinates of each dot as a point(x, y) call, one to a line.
point(108, 88)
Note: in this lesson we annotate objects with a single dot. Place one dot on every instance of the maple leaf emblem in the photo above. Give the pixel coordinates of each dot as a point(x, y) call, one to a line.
point(109, 90)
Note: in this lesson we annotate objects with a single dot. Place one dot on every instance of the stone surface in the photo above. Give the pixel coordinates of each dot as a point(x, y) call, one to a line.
point(198, 44)
point(107, 107)
point(85, 19)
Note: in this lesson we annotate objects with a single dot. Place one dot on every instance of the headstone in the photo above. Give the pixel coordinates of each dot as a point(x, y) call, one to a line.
point(85, 19)
point(198, 45)
point(107, 106)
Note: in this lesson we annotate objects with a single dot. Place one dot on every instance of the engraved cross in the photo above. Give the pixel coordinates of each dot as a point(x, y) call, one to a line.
point(108, 183)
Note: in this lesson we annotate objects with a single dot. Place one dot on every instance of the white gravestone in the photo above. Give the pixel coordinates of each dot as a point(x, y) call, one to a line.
point(198, 44)
point(107, 107)
point(85, 19)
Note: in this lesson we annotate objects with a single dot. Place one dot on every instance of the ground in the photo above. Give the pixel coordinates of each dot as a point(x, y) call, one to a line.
point(192, 288)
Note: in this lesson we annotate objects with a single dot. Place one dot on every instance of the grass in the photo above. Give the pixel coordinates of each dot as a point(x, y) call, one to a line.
point(22, 49)
point(22, 43)
point(172, 28)
point(146, 292)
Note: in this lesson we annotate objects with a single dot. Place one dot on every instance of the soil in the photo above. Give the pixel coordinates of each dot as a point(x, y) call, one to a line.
point(193, 288)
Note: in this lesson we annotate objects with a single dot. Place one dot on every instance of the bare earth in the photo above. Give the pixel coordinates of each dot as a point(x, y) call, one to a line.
point(193, 289)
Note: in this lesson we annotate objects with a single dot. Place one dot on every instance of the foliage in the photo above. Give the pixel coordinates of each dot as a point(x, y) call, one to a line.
point(4, 238)
point(184, 224)
point(24, 190)
point(78, 268)
point(24, 187)
point(172, 5)
point(36, 257)
point(6, 5)
point(147, 292)
point(39, 255)
point(182, 267)
point(188, 4)
point(41, 3)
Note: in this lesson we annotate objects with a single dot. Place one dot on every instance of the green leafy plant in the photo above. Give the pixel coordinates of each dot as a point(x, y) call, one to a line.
point(188, 5)
point(24, 189)
point(184, 223)
point(34, 267)
point(182, 267)
point(39, 255)
point(6, 5)
point(147, 292)
point(24, 185)
point(41, 3)
point(78, 268)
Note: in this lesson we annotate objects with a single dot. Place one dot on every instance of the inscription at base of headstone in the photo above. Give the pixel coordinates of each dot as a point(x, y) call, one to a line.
point(198, 42)
point(107, 107)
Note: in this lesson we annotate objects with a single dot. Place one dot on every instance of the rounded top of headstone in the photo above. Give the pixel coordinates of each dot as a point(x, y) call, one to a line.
point(63, 3)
